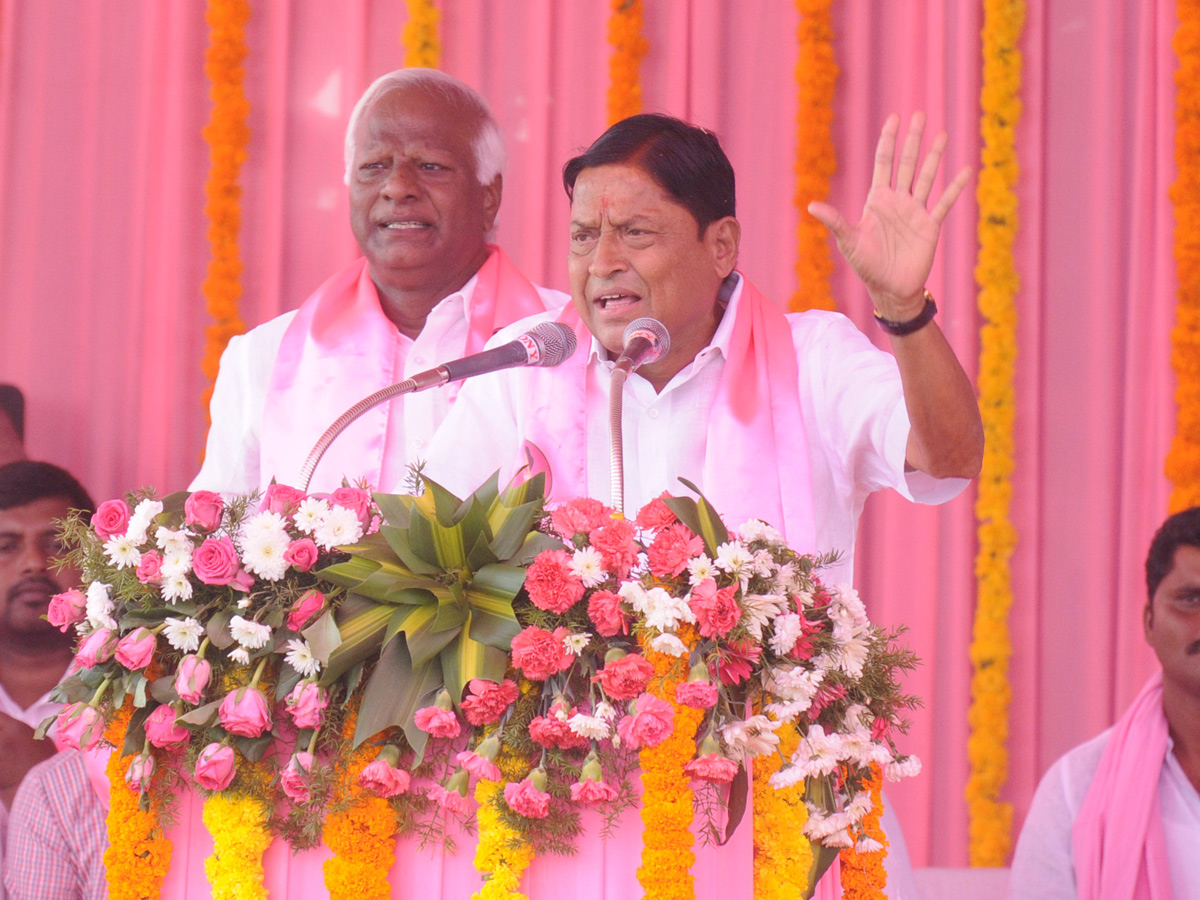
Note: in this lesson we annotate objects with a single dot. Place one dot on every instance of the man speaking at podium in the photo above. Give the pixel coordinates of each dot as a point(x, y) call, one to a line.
point(424, 166)
point(793, 419)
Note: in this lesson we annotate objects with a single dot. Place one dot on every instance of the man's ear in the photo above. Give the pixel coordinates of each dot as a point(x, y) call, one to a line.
point(722, 237)
point(1148, 618)
point(491, 202)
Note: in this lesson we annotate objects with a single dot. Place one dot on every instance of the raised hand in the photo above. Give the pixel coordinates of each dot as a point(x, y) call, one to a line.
point(891, 248)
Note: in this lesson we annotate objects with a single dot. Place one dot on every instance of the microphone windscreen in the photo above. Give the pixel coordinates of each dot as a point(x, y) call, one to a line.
point(653, 331)
point(555, 342)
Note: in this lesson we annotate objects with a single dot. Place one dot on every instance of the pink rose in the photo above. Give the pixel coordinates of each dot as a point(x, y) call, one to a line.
point(202, 510)
point(66, 609)
point(604, 609)
point(551, 584)
point(216, 561)
point(245, 712)
point(306, 703)
point(479, 766)
point(136, 649)
point(487, 700)
point(191, 680)
point(79, 727)
point(616, 546)
point(149, 570)
point(383, 779)
point(438, 722)
point(737, 660)
point(655, 514)
point(649, 724)
point(671, 549)
point(712, 767)
point(215, 767)
point(354, 499)
point(588, 791)
point(540, 654)
point(294, 779)
point(696, 694)
point(111, 519)
point(282, 499)
point(309, 604)
point(302, 554)
point(552, 732)
point(162, 730)
point(526, 800)
point(625, 678)
point(96, 648)
point(717, 612)
point(579, 517)
point(140, 771)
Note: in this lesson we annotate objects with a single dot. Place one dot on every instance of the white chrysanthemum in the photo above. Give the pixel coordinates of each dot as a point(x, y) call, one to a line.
point(122, 552)
point(249, 634)
point(100, 606)
point(263, 552)
point(752, 737)
point(818, 753)
point(176, 588)
point(341, 527)
point(592, 727)
point(300, 657)
point(825, 661)
point(170, 540)
point(787, 710)
point(734, 558)
point(852, 656)
point(857, 747)
point(764, 565)
point(867, 844)
point(856, 717)
point(847, 612)
point(787, 776)
point(264, 522)
point(699, 568)
point(588, 564)
point(240, 655)
point(904, 767)
point(797, 684)
point(758, 530)
point(804, 599)
point(605, 710)
point(665, 612)
point(669, 645)
point(789, 578)
point(139, 522)
point(827, 827)
point(311, 513)
point(183, 634)
point(841, 839)
point(634, 594)
point(176, 563)
point(760, 610)
point(577, 643)
point(789, 628)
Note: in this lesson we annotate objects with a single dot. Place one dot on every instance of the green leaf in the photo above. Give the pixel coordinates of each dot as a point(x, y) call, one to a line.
point(394, 693)
point(424, 641)
point(447, 508)
point(254, 748)
point(201, 715)
point(466, 659)
point(323, 637)
point(361, 623)
point(139, 691)
point(401, 541)
point(534, 544)
point(481, 552)
point(451, 610)
point(394, 508)
point(700, 517)
point(135, 734)
point(163, 689)
point(218, 629)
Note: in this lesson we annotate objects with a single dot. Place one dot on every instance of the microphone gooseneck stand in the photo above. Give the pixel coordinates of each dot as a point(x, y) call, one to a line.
point(616, 455)
point(645, 340)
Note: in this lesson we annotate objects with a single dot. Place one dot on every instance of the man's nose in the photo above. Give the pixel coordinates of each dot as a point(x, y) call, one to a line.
point(33, 558)
point(608, 257)
point(402, 182)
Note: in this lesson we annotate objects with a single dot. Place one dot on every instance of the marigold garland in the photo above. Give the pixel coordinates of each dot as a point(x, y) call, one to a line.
point(996, 275)
point(782, 854)
point(238, 825)
point(624, 65)
point(667, 799)
point(138, 855)
point(816, 160)
point(499, 856)
point(1183, 459)
point(862, 871)
point(420, 35)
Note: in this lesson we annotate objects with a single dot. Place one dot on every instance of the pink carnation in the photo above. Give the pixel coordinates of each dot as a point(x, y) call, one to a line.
point(149, 570)
point(452, 801)
point(551, 583)
point(625, 678)
point(215, 767)
point(66, 609)
point(306, 704)
point(438, 722)
point(302, 554)
point(79, 727)
point(354, 499)
point(717, 612)
point(479, 766)
point(487, 700)
point(216, 561)
point(696, 694)
point(540, 654)
point(282, 499)
point(655, 514)
point(295, 778)
point(111, 519)
point(588, 791)
point(96, 648)
point(649, 724)
point(136, 649)
point(162, 730)
point(309, 604)
point(671, 549)
point(616, 546)
point(202, 510)
point(191, 679)
point(245, 712)
point(526, 800)
point(604, 609)
point(553, 733)
point(383, 779)
point(712, 767)
point(580, 516)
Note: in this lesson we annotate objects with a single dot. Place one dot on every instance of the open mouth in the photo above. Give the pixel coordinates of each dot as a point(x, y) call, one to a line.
point(616, 300)
point(404, 226)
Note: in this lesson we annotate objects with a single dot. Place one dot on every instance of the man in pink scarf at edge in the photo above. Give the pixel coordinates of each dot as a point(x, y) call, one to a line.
point(1118, 817)
point(424, 167)
point(793, 419)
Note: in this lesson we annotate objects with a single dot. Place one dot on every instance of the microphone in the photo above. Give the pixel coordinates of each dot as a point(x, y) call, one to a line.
point(546, 344)
point(646, 340)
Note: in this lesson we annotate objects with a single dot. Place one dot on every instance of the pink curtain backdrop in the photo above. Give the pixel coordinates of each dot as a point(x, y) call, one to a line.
point(102, 252)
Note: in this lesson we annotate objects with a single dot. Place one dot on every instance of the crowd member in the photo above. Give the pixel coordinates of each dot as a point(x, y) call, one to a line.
point(424, 166)
point(34, 654)
point(1119, 816)
point(12, 424)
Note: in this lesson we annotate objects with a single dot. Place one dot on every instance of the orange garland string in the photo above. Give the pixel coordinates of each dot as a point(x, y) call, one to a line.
point(862, 872)
point(624, 65)
point(816, 160)
point(227, 136)
point(420, 36)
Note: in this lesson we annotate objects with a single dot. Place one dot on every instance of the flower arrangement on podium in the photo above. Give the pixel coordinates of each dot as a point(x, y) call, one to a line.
point(341, 668)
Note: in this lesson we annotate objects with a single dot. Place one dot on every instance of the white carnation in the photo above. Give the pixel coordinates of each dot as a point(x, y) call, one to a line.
point(788, 629)
point(665, 612)
point(852, 656)
point(669, 645)
point(903, 767)
point(170, 540)
point(100, 606)
point(139, 522)
point(758, 530)
point(593, 727)
point(176, 562)
point(240, 656)
point(183, 634)
point(818, 753)
point(760, 610)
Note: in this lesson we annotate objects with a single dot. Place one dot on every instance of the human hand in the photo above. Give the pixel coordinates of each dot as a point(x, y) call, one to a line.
point(891, 248)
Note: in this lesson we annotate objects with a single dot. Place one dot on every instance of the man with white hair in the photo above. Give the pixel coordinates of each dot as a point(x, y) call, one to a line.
point(424, 167)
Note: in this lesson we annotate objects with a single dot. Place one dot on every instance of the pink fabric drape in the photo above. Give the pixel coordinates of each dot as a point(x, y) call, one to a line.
point(102, 253)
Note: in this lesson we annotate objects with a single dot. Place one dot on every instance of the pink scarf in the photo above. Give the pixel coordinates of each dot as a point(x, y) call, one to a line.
point(1119, 847)
point(756, 454)
point(341, 347)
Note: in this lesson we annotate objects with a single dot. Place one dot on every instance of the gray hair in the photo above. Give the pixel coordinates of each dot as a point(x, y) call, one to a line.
point(488, 144)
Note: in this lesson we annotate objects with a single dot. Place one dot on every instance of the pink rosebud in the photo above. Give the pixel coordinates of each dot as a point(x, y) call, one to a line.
point(245, 712)
point(136, 649)
point(215, 767)
point(713, 768)
point(696, 694)
point(309, 604)
point(96, 648)
point(66, 609)
point(625, 678)
point(191, 680)
point(79, 727)
point(216, 561)
point(383, 779)
point(282, 499)
point(306, 703)
point(294, 779)
point(202, 510)
point(487, 701)
point(354, 499)
point(479, 766)
point(301, 555)
point(161, 729)
point(526, 800)
point(649, 724)
point(139, 773)
point(149, 570)
point(438, 722)
point(540, 653)
point(111, 519)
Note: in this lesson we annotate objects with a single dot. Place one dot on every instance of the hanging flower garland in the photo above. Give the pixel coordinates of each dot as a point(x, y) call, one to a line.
point(501, 855)
point(624, 65)
point(238, 825)
point(816, 161)
point(1183, 460)
point(782, 854)
point(862, 871)
point(420, 37)
point(996, 275)
point(227, 136)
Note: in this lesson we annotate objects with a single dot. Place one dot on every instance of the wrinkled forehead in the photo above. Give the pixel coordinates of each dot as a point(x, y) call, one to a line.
point(419, 113)
point(618, 193)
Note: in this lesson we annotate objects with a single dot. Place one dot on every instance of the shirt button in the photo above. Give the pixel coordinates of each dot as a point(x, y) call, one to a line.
point(419, 360)
point(653, 413)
